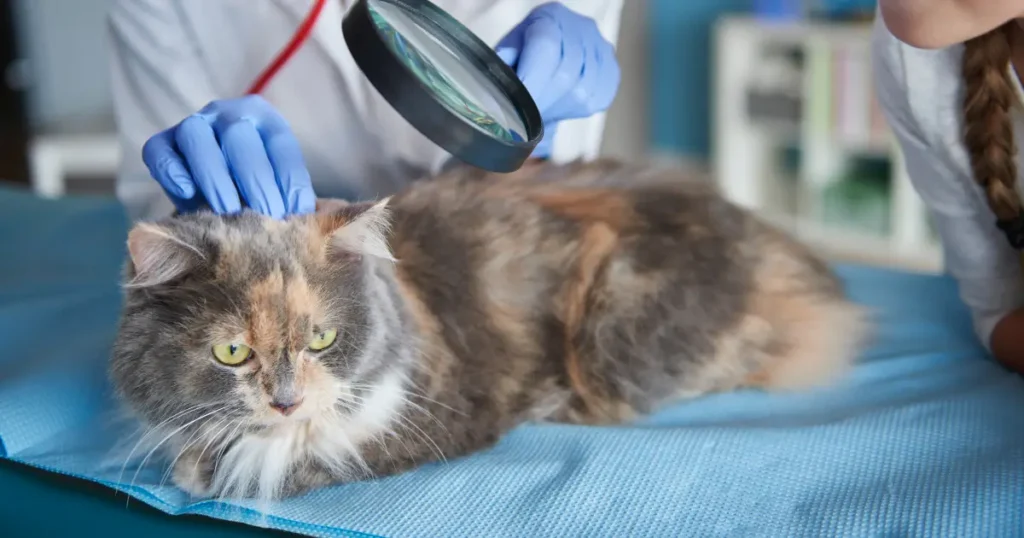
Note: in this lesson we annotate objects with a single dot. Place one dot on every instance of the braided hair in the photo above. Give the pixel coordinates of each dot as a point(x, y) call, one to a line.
point(988, 129)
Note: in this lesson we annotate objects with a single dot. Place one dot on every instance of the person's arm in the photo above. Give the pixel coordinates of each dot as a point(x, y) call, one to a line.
point(157, 80)
point(977, 254)
point(1008, 340)
point(933, 24)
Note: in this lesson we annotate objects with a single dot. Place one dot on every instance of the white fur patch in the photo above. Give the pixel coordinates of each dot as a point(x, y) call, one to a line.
point(262, 460)
point(379, 409)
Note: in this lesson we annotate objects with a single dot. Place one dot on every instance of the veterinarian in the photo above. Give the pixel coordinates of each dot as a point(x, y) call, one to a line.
point(182, 68)
point(947, 76)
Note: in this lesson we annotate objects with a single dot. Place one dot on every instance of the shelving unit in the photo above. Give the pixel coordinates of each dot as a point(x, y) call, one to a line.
point(794, 120)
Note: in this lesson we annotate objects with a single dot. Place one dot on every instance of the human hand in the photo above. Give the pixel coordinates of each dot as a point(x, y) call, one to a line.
point(1006, 342)
point(568, 67)
point(232, 152)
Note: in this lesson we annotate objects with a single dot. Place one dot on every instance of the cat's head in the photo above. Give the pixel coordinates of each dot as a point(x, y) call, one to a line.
point(251, 321)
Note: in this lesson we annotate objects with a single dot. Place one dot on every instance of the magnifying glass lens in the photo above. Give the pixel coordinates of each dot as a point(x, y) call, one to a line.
point(453, 79)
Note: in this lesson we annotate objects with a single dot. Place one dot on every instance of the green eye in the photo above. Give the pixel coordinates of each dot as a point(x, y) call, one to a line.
point(231, 354)
point(323, 340)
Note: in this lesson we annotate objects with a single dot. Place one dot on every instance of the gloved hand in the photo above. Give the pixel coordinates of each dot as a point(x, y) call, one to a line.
point(257, 161)
point(568, 67)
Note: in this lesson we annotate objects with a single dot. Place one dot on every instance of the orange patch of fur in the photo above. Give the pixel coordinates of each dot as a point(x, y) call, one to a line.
point(820, 339)
point(596, 245)
point(818, 336)
point(264, 327)
point(299, 300)
point(436, 357)
point(590, 205)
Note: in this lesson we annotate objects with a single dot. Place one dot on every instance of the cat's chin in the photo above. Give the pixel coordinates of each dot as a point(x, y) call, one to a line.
point(273, 425)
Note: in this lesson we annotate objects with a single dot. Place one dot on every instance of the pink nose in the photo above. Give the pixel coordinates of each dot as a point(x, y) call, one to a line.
point(286, 408)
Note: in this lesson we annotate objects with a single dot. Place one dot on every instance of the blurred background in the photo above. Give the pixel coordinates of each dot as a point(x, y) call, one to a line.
point(773, 96)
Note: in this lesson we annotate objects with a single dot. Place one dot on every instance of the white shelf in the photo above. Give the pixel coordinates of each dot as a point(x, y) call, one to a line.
point(53, 157)
point(744, 148)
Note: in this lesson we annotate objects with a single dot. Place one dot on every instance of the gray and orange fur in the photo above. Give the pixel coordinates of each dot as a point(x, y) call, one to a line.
point(465, 306)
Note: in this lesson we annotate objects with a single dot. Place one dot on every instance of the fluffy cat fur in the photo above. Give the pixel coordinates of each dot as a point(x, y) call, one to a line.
point(465, 306)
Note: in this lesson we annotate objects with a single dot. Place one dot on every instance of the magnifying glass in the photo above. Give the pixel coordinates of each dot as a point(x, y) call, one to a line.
point(445, 81)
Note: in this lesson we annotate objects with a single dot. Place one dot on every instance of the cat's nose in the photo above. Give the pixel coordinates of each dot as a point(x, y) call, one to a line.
point(286, 407)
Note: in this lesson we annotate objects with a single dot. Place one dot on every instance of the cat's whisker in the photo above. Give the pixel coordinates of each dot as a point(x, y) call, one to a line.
point(216, 481)
point(164, 440)
point(428, 414)
point(422, 435)
point(184, 447)
point(424, 397)
point(417, 407)
point(383, 446)
point(353, 451)
point(199, 436)
point(157, 428)
point(227, 424)
point(408, 451)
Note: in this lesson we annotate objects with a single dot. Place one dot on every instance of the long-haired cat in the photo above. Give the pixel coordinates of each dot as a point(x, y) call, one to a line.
point(370, 338)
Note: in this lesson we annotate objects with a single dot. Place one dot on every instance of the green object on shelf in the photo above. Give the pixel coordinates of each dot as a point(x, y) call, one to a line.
point(860, 203)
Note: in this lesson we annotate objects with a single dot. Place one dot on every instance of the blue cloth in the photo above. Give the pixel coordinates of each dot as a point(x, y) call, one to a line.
point(926, 438)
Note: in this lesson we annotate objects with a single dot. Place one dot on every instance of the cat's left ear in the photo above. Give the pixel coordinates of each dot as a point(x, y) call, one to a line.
point(360, 228)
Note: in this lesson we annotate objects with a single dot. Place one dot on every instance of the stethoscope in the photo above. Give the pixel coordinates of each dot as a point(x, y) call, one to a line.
point(298, 39)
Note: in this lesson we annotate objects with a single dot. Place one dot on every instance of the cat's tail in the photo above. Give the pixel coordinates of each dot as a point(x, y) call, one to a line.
point(807, 332)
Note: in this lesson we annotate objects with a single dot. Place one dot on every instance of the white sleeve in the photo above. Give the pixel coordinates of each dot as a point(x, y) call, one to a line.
point(977, 254)
point(157, 80)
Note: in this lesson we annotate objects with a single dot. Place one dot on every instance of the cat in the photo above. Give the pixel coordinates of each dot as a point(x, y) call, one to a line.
point(281, 356)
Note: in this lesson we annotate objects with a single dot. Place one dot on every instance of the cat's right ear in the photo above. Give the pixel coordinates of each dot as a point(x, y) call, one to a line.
point(158, 255)
point(359, 228)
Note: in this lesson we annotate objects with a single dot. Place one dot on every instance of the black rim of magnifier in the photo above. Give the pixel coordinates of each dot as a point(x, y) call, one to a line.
point(417, 103)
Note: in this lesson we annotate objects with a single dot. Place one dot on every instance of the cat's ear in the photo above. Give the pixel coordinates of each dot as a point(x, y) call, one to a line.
point(159, 255)
point(357, 228)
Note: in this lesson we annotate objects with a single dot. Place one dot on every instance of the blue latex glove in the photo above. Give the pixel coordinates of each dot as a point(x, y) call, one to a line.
point(230, 153)
point(568, 67)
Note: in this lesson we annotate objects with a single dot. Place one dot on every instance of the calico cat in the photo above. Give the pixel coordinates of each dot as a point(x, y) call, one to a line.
point(278, 356)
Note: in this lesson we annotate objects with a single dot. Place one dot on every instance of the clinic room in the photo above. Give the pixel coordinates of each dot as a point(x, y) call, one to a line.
point(511, 268)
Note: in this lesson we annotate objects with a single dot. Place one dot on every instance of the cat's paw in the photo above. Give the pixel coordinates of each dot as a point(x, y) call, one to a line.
point(193, 475)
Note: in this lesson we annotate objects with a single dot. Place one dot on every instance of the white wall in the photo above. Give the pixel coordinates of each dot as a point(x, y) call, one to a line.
point(64, 42)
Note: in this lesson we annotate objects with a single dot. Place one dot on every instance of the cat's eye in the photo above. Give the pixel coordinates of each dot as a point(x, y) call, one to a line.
point(231, 354)
point(323, 340)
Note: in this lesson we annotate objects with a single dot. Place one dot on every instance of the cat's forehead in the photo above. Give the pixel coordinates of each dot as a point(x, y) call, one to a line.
point(247, 245)
point(265, 263)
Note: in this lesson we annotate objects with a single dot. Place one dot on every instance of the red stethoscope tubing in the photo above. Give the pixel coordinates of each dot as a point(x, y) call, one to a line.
point(298, 39)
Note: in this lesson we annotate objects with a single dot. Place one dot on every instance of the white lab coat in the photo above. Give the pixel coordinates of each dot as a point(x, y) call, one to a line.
point(171, 57)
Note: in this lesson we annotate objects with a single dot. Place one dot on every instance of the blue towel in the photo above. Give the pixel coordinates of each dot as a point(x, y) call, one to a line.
point(926, 438)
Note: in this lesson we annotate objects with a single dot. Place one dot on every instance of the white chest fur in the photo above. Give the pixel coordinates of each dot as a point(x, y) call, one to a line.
point(264, 460)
